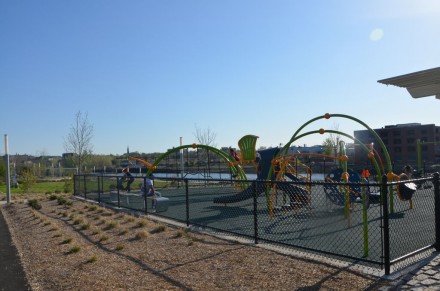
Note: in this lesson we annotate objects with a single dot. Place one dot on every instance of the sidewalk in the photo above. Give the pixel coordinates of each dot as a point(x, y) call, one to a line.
point(12, 275)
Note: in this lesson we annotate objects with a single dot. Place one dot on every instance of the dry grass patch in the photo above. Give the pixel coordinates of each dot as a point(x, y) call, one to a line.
point(141, 234)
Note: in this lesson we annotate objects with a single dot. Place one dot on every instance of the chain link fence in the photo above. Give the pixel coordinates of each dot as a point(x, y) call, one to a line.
point(373, 224)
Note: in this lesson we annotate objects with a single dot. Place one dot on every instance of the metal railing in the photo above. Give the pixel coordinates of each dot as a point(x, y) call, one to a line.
point(372, 224)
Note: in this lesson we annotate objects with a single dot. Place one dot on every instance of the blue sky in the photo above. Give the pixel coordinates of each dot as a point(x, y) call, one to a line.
point(149, 72)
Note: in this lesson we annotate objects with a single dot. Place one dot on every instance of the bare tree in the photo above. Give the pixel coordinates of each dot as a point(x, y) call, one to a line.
point(79, 140)
point(331, 142)
point(205, 136)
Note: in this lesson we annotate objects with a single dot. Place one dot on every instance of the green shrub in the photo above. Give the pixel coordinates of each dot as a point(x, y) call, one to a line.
point(27, 180)
point(66, 241)
point(68, 186)
point(34, 204)
point(74, 249)
point(92, 259)
point(61, 200)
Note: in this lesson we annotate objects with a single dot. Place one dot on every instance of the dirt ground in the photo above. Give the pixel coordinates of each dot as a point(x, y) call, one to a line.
point(75, 245)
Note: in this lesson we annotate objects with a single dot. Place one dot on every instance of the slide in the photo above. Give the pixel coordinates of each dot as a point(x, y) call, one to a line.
point(298, 195)
point(247, 193)
point(293, 177)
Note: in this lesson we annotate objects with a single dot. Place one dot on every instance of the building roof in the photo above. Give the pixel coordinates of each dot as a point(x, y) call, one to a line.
point(419, 84)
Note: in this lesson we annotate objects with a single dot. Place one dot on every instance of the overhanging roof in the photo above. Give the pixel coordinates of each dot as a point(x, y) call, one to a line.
point(419, 84)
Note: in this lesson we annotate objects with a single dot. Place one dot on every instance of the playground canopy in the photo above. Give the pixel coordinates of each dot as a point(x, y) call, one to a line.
point(419, 84)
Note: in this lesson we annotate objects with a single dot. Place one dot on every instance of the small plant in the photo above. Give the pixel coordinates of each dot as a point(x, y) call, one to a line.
point(111, 225)
point(66, 241)
point(53, 228)
point(53, 197)
point(61, 200)
point(103, 238)
point(77, 221)
point(141, 235)
point(85, 226)
point(74, 249)
point(46, 223)
point(92, 259)
point(119, 247)
point(65, 214)
point(68, 186)
point(157, 229)
point(179, 233)
point(34, 204)
point(93, 208)
point(122, 232)
point(96, 231)
point(57, 192)
point(141, 223)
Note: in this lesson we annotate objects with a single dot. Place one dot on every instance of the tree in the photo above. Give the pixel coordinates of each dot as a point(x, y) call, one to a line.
point(330, 144)
point(205, 136)
point(27, 179)
point(79, 140)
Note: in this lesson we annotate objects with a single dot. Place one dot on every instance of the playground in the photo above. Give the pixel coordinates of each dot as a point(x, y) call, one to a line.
point(375, 223)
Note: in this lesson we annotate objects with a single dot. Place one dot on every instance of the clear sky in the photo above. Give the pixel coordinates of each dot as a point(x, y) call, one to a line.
point(148, 72)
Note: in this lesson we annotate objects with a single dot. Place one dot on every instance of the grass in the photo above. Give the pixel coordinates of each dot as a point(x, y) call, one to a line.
point(66, 241)
point(74, 249)
point(92, 259)
point(158, 229)
point(141, 235)
point(39, 187)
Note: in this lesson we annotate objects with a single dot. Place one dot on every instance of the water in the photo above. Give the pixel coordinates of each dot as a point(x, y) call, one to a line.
point(224, 176)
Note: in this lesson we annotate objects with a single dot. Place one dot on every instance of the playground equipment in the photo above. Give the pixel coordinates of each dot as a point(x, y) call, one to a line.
point(371, 154)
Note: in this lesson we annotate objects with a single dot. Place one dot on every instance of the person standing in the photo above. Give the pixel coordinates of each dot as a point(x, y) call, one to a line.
point(129, 178)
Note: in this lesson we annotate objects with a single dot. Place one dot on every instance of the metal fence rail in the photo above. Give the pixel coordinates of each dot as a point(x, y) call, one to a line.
point(367, 223)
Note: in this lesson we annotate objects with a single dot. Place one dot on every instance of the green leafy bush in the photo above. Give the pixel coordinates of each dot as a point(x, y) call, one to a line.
point(34, 204)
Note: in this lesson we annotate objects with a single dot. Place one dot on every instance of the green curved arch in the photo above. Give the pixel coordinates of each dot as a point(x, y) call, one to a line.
point(375, 164)
point(376, 136)
point(328, 116)
point(236, 169)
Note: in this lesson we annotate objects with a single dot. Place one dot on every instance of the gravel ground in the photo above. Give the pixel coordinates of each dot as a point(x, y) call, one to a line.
point(74, 245)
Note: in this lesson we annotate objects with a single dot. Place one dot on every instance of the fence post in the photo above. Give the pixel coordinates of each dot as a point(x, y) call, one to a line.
point(145, 195)
point(386, 226)
point(99, 188)
point(74, 185)
point(254, 192)
point(85, 187)
point(437, 210)
point(119, 203)
point(187, 201)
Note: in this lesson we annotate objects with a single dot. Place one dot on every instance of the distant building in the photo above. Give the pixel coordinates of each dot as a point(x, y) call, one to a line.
point(316, 149)
point(401, 143)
